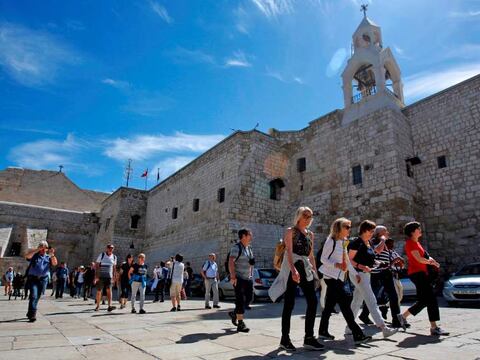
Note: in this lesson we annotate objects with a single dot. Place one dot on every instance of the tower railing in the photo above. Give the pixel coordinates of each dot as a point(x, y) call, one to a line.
point(363, 94)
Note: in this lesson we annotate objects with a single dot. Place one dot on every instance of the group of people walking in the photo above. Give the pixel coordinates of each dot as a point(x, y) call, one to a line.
point(367, 261)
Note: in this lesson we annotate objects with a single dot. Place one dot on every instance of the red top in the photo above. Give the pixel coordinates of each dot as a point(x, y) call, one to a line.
point(413, 265)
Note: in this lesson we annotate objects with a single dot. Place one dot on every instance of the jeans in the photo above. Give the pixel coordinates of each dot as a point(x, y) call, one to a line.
point(336, 294)
point(160, 290)
point(243, 291)
point(137, 286)
point(37, 287)
point(211, 284)
point(79, 289)
point(384, 289)
point(60, 288)
point(363, 292)
point(308, 289)
point(426, 297)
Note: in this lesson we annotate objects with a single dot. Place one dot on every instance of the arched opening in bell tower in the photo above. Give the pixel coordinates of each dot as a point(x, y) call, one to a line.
point(363, 83)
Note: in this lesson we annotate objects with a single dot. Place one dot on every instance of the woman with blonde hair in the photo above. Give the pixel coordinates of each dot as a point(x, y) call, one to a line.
point(299, 262)
point(138, 281)
point(335, 264)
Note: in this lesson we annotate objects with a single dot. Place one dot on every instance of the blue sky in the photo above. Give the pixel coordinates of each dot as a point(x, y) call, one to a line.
point(90, 84)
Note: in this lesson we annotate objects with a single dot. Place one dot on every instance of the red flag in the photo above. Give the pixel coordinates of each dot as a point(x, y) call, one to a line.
point(145, 173)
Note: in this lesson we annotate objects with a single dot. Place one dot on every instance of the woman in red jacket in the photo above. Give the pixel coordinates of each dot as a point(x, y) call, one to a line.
point(418, 273)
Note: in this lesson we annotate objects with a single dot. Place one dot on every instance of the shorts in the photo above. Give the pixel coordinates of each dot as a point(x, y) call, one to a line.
point(175, 289)
point(104, 283)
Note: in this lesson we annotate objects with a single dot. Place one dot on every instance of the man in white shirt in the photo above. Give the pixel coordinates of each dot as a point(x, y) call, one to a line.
point(210, 276)
point(176, 277)
point(105, 268)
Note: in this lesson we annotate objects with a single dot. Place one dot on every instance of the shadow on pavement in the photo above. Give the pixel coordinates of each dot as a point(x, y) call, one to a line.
point(192, 338)
point(417, 340)
point(15, 320)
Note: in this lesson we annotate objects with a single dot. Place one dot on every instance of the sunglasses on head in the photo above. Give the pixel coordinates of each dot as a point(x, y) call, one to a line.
point(307, 216)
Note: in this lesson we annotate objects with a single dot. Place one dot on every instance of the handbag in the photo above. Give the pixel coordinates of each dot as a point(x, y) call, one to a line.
point(432, 270)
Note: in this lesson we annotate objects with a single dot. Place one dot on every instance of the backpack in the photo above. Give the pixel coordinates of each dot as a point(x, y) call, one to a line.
point(278, 255)
point(318, 258)
point(208, 266)
point(227, 270)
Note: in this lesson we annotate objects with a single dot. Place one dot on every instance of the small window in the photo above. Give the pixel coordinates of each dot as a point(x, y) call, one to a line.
point(301, 164)
point(276, 186)
point(107, 224)
point(16, 248)
point(134, 221)
point(196, 205)
point(357, 175)
point(174, 213)
point(221, 195)
point(442, 162)
point(301, 187)
point(409, 169)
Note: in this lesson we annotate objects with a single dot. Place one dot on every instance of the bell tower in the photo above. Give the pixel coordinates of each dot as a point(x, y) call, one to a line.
point(372, 78)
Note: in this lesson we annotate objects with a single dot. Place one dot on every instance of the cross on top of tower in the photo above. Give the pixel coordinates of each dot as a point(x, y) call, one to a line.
point(364, 8)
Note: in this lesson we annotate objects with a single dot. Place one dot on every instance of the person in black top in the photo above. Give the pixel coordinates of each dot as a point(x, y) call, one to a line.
point(301, 261)
point(124, 280)
point(362, 257)
point(138, 280)
point(188, 284)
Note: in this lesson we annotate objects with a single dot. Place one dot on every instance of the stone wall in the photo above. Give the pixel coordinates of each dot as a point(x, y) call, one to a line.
point(46, 188)
point(116, 220)
point(448, 124)
point(70, 233)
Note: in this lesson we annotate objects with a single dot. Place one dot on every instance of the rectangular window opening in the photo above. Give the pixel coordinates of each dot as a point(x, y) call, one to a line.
point(357, 175)
point(301, 164)
point(196, 205)
point(174, 213)
point(442, 162)
point(221, 195)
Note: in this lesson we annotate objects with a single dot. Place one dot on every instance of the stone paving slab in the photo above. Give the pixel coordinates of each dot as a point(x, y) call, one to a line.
point(70, 329)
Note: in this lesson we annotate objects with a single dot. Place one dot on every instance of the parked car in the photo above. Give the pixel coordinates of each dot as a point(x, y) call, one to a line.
point(409, 289)
point(197, 286)
point(464, 285)
point(262, 280)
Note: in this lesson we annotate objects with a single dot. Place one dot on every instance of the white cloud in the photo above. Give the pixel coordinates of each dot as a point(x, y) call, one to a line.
point(238, 59)
point(143, 147)
point(119, 84)
point(148, 104)
point(161, 11)
point(31, 130)
point(241, 20)
point(336, 62)
point(186, 56)
point(170, 165)
point(49, 154)
point(273, 8)
point(472, 14)
point(284, 78)
point(428, 83)
point(33, 58)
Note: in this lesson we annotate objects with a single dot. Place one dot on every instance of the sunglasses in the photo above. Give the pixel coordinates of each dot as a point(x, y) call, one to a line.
point(348, 227)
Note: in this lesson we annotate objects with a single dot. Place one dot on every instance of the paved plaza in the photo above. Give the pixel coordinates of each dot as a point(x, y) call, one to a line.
point(70, 329)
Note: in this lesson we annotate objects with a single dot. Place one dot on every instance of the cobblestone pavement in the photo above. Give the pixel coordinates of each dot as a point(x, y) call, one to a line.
point(70, 329)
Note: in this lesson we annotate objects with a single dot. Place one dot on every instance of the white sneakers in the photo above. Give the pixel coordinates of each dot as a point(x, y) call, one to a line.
point(388, 331)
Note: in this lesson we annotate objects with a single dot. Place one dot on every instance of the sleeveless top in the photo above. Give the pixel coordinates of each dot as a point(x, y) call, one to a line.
point(301, 243)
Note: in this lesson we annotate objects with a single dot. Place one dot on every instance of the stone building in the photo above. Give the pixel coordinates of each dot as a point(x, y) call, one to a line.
point(374, 159)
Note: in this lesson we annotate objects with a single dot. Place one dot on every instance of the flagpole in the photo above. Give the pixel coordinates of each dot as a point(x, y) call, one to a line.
point(158, 175)
point(146, 179)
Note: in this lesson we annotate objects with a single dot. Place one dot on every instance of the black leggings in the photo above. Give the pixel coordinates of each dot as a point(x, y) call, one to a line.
point(336, 294)
point(426, 297)
point(308, 289)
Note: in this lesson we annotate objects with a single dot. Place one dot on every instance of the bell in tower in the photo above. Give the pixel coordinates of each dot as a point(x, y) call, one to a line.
point(371, 79)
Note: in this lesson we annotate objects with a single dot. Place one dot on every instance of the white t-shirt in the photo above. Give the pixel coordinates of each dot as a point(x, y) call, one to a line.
point(177, 275)
point(80, 277)
point(106, 265)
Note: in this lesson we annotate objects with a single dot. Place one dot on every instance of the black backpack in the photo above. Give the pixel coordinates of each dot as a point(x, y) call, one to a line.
point(318, 258)
point(227, 270)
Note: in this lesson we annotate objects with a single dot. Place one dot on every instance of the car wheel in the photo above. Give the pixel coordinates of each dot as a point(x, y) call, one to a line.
point(221, 295)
